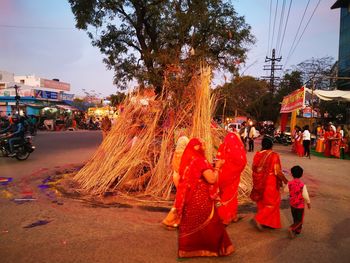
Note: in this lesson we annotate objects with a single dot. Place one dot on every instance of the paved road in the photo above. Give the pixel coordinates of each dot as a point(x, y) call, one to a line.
point(80, 232)
point(53, 149)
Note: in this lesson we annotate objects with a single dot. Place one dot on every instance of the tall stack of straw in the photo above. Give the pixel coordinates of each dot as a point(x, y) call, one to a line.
point(144, 166)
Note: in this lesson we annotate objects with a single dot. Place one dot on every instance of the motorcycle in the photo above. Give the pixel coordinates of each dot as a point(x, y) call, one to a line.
point(22, 149)
point(283, 139)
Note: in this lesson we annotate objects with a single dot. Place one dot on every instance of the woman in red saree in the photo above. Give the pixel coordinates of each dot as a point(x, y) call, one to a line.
point(299, 148)
point(267, 180)
point(335, 143)
point(328, 135)
point(233, 153)
point(201, 233)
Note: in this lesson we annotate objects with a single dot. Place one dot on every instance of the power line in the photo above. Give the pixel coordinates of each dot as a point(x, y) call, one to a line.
point(274, 23)
point(268, 45)
point(281, 24)
point(37, 27)
point(296, 35)
point(285, 27)
point(306, 26)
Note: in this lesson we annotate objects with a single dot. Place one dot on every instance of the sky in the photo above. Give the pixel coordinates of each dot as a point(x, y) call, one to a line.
point(39, 37)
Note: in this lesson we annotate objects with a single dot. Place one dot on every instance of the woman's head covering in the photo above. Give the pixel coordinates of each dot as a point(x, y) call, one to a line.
point(193, 149)
point(181, 144)
point(267, 143)
point(232, 150)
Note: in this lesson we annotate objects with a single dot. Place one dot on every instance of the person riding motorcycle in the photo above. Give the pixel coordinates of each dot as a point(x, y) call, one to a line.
point(16, 133)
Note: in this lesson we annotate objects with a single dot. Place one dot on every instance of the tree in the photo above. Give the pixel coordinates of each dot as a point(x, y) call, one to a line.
point(317, 69)
point(141, 38)
point(291, 81)
point(117, 98)
point(244, 96)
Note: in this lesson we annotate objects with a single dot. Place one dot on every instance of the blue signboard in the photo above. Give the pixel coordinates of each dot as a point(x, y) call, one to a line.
point(43, 94)
point(66, 96)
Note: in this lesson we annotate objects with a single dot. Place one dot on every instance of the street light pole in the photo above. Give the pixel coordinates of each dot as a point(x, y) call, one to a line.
point(17, 98)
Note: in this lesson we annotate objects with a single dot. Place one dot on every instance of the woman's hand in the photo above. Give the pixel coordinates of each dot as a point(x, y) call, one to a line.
point(219, 163)
point(210, 175)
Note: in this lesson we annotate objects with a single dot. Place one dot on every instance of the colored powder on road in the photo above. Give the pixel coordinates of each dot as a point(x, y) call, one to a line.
point(6, 194)
point(5, 180)
point(37, 223)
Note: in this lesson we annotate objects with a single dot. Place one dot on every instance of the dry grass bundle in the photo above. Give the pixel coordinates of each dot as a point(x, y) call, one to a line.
point(116, 161)
point(202, 115)
point(245, 185)
point(145, 167)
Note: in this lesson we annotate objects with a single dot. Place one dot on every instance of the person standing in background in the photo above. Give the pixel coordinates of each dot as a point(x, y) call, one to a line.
point(306, 141)
point(251, 137)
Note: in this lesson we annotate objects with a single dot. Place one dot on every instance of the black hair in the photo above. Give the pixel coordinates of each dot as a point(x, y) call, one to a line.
point(267, 143)
point(297, 171)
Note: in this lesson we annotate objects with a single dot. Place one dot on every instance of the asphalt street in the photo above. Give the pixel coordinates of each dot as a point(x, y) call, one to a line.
point(53, 149)
point(76, 231)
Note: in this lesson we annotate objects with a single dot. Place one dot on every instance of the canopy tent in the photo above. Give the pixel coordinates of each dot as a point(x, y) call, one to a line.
point(66, 107)
point(338, 95)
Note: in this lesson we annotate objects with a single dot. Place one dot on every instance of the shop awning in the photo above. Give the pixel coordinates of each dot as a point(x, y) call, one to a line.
point(337, 95)
point(35, 106)
point(67, 107)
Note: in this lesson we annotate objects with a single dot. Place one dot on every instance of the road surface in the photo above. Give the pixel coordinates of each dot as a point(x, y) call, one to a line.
point(76, 231)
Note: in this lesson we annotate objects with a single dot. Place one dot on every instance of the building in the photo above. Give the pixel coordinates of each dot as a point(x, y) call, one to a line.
point(34, 93)
point(344, 43)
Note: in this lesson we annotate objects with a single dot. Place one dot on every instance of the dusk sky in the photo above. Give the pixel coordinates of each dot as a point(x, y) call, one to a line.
point(39, 37)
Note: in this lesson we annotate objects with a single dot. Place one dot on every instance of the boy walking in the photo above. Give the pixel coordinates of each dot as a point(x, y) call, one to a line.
point(298, 196)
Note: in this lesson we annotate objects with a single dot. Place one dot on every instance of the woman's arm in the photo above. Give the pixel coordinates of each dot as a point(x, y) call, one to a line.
point(212, 176)
point(278, 172)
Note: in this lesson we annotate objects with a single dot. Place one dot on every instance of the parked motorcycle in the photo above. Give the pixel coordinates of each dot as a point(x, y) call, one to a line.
point(283, 139)
point(22, 149)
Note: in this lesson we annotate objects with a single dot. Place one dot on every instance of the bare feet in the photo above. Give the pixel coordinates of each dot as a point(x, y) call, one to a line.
point(257, 224)
point(291, 233)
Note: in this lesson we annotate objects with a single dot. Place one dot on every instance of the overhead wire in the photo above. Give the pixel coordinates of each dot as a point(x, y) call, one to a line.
point(297, 33)
point(280, 25)
point(37, 27)
point(285, 28)
point(308, 22)
point(274, 24)
point(268, 45)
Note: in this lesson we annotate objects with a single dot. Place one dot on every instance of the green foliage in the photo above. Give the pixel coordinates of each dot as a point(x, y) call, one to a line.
point(140, 38)
point(244, 96)
point(117, 98)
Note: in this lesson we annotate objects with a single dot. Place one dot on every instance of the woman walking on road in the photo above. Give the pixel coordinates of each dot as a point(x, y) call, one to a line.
point(201, 232)
point(267, 180)
point(233, 153)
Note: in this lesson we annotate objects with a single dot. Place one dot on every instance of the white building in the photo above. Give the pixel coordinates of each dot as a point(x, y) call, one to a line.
point(34, 91)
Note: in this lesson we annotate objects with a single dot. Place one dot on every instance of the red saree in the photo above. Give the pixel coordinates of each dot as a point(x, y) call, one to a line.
point(299, 148)
point(200, 231)
point(232, 151)
point(335, 145)
point(268, 207)
point(327, 143)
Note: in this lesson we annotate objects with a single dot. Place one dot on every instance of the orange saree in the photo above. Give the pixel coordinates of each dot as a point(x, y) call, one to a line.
point(265, 179)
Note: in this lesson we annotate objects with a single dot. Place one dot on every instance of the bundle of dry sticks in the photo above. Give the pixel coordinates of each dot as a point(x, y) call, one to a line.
point(136, 155)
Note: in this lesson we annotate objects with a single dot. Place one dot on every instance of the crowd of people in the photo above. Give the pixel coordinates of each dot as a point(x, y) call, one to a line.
point(206, 194)
point(330, 140)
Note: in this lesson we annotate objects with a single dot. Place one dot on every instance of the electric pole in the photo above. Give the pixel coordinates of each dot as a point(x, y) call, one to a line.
point(273, 67)
point(17, 98)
